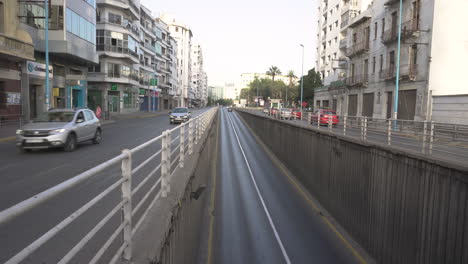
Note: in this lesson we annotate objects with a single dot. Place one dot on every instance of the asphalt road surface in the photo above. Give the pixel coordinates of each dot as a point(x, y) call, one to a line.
point(24, 175)
point(260, 216)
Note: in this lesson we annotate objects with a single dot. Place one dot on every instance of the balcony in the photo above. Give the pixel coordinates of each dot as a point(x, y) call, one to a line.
point(391, 2)
point(357, 48)
point(113, 77)
point(357, 80)
point(408, 29)
point(119, 52)
point(16, 48)
point(407, 72)
point(343, 44)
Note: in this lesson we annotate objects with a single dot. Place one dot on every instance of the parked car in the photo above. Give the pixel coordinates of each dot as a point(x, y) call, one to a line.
point(266, 111)
point(273, 111)
point(179, 115)
point(296, 113)
point(323, 116)
point(229, 109)
point(285, 113)
point(57, 128)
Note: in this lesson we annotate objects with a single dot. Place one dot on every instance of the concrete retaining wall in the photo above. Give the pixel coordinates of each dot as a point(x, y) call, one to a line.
point(401, 207)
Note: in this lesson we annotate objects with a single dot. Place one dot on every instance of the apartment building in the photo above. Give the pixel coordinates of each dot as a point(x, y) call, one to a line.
point(199, 84)
point(16, 50)
point(72, 49)
point(183, 36)
point(166, 49)
point(367, 85)
point(114, 83)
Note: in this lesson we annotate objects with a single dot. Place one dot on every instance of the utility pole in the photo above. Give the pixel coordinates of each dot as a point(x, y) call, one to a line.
point(46, 31)
point(397, 78)
point(302, 78)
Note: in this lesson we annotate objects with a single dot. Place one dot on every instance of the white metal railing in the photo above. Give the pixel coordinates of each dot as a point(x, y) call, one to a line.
point(176, 144)
point(448, 140)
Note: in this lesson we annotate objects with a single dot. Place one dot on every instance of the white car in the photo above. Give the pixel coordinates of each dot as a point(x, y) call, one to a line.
point(266, 111)
point(285, 113)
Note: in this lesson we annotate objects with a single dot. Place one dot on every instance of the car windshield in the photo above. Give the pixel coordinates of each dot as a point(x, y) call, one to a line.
point(56, 116)
point(180, 110)
point(328, 112)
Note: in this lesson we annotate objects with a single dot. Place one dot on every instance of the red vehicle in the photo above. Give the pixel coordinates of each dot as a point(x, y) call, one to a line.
point(273, 111)
point(323, 115)
point(297, 113)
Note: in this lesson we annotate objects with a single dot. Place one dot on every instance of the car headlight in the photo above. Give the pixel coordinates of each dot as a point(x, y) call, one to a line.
point(57, 131)
point(171, 117)
point(19, 132)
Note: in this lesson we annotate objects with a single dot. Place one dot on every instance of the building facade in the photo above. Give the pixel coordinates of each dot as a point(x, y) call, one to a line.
point(216, 92)
point(367, 84)
point(199, 77)
point(183, 36)
point(72, 49)
point(16, 50)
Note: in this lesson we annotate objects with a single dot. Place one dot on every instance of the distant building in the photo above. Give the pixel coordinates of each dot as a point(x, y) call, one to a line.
point(231, 91)
point(199, 77)
point(216, 92)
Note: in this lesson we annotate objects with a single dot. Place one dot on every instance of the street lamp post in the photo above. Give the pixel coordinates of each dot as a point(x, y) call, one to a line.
point(302, 78)
point(397, 78)
point(46, 33)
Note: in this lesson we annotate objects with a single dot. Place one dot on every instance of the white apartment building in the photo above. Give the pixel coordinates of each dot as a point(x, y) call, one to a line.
point(166, 53)
point(183, 36)
point(198, 75)
point(333, 18)
point(433, 46)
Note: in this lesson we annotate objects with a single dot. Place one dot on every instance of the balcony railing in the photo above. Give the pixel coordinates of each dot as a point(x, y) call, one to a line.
point(122, 77)
point(357, 80)
point(407, 72)
point(343, 44)
point(121, 50)
point(16, 47)
point(357, 48)
point(408, 28)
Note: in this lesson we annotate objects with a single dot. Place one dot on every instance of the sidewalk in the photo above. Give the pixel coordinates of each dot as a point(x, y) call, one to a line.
point(8, 132)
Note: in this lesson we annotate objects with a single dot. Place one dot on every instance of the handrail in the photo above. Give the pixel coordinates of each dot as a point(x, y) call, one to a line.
point(196, 130)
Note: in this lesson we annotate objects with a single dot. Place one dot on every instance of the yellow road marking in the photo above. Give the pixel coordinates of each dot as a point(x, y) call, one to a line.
point(5, 139)
point(303, 193)
point(214, 171)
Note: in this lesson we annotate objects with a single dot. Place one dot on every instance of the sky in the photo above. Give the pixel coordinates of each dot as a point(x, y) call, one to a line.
point(240, 36)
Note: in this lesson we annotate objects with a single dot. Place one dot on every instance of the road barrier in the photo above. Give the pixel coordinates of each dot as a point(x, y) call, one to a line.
point(400, 206)
point(423, 136)
point(176, 144)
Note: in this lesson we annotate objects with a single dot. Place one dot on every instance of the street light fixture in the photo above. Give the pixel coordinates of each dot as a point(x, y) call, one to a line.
point(302, 78)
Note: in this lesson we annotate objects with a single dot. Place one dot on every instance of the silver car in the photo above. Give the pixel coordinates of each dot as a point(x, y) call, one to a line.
point(60, 128)
point(179, 115)
point(285, 113)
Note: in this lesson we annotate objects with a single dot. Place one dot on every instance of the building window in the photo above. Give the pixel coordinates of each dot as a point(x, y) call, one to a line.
point(113, 70)
point(373, 65)
point(381, 63)
point(80, 27)
point(2, 18)
point(336, 24)
point(413, 54)
point(33, 15)
point(383, 27)
point(115, 19)
point(176, 29)
point(375, 30)
point(336, 40)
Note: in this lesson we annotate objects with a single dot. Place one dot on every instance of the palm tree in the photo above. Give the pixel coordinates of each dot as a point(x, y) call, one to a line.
point(291, 76)
point(273, 71)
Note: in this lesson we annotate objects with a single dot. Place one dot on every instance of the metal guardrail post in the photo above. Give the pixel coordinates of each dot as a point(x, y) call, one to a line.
point(345, 118)
point(389, 132)
point(330, 125)
point(365, 129)
point(361, 123)
point(197, 127)
point(431, 139)
point(318, 120)
point(165, 163)
point(182, 146)
point(127, 207)
point(190, 138)
point(424, 136)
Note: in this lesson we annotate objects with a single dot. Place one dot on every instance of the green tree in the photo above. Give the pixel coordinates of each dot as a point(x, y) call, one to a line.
point(273, 71)
point(312, 81)
point(291, 77)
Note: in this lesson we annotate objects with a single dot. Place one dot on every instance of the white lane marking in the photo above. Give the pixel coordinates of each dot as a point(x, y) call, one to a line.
point(278, 239)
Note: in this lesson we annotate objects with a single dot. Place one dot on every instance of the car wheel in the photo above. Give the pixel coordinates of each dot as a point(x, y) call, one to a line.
point(70, 145)
point(97, 137)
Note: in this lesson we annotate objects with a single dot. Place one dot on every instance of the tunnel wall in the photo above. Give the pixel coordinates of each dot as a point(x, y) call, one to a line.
point(400, 207)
